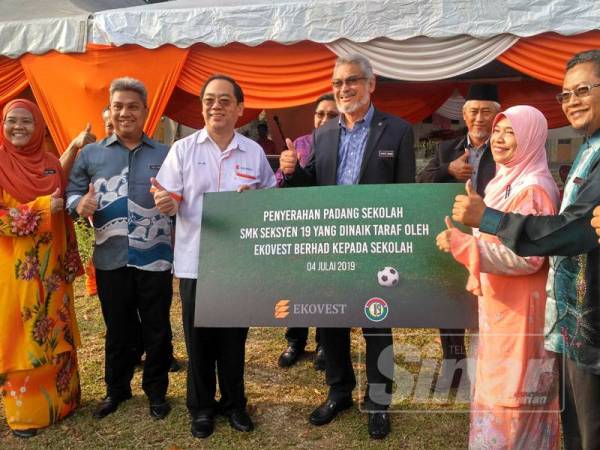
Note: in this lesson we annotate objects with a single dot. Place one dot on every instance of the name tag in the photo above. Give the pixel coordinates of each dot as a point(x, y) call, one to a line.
point(49, 171)
point(154, 166)
point(385, 153)
point(245, 175)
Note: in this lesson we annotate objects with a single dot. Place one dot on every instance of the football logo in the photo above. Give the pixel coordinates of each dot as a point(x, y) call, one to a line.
point(282, 309)
point(376, 309)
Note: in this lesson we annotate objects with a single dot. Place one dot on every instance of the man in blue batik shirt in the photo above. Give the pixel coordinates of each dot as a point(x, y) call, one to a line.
point(110, 183)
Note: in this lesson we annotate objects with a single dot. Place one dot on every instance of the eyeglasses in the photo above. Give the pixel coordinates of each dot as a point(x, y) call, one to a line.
point(350, 82)
point(583, 90)
point(329, 114)
point(209, 102)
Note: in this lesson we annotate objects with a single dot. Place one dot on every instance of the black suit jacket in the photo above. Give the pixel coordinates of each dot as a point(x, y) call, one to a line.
point(389, 154)
point(436, 171)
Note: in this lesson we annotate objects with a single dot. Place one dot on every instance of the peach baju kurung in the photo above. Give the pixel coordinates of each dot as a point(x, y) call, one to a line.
point(515, 401)
point(515, 394)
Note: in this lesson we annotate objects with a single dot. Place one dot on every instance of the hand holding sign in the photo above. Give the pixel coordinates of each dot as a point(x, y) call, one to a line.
point(165, 201)
point(57, 203)
point(288, 158)
point(468, 209)
point(88, 204)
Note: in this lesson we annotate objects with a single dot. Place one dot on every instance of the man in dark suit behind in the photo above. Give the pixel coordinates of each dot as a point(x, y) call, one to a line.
point(456, 161)
point(363, 146)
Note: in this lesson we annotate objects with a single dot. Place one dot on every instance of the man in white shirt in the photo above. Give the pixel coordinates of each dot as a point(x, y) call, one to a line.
point(214, 159)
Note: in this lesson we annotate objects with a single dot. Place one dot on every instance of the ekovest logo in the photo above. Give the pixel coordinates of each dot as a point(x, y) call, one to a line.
point(282, 309)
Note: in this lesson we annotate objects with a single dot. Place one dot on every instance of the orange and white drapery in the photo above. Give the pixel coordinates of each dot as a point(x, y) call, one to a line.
point(426, 59)
point(12, 79)
point(272, 75)
point(72, 89)
point(544, 56)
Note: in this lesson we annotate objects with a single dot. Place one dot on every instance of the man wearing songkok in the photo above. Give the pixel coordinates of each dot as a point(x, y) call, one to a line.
point(467, 157)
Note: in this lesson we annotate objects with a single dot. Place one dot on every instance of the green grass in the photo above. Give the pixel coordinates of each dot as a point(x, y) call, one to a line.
point(279, 402)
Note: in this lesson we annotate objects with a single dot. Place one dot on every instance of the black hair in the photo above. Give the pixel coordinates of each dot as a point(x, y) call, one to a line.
point(237, 89)
point(324, 98)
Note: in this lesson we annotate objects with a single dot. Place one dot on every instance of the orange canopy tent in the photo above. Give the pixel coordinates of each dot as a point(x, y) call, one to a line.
point(71, 88)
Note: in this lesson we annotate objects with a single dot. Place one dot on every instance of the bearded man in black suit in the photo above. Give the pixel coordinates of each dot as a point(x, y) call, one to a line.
point(363, 146)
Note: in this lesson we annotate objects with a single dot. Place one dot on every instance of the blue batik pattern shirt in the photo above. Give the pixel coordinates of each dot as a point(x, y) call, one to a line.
point(129, 230)
point(352, 148)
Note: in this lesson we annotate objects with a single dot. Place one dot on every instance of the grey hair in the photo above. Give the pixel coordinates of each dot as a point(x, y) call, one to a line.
point(496, 104)
point(362, 61)
point(592, 56)
point(129, 84)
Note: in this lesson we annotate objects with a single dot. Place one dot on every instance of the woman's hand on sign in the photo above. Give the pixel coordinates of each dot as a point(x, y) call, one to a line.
point(443, 239)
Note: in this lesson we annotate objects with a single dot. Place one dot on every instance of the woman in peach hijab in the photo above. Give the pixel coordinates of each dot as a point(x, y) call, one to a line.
point(39, 379)
point(515, 400)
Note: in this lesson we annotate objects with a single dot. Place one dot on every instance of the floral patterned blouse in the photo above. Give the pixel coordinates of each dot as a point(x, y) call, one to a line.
point(39, 260)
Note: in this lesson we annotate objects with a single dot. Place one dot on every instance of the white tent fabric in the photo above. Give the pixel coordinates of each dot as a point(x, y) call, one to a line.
point(423, 58)
point(65, 34)
point(452, 108)
point(219, 22)
point(38, 26)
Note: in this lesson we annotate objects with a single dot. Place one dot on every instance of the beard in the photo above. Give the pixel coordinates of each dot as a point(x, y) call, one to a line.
point(480, 135)
point(354, 106)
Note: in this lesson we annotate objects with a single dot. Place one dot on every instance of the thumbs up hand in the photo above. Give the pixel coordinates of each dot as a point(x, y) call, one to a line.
point(460, 169)
point(443, 240)
point(88, 204)
point(596, 220)
point(166, 202)
point(288, 158)
point(57, 204)
point(468, 209)
point(84, 138)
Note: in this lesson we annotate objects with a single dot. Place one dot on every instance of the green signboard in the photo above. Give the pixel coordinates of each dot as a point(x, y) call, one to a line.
point(333, 256)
